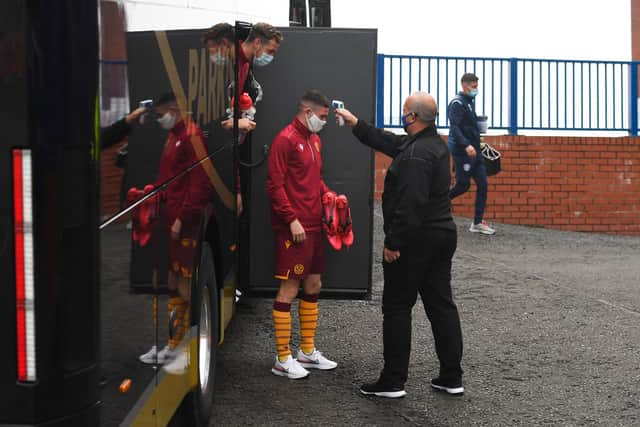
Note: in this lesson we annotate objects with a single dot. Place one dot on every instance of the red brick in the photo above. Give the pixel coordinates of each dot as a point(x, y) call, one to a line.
point(555, 177)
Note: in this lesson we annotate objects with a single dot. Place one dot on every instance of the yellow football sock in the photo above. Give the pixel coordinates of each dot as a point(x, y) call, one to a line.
point(282, 326)
point(308, 322)
point(180, 305)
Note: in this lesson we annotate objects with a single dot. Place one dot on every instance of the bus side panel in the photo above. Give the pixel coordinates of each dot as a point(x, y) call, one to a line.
point(13, 122)
point(58, 125)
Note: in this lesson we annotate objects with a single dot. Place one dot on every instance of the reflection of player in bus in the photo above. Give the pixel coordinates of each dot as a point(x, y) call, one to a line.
point(184, 202)
point(259, 49)
point(295, 187)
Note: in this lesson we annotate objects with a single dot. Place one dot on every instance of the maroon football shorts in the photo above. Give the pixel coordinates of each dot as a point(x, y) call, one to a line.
point(182, 250)
point(298, 260)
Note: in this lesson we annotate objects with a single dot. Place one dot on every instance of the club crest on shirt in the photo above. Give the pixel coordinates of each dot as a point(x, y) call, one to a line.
point(287, 244)
point(298, 268)
point(317, 147)
point(301, 147)
point(178, 143)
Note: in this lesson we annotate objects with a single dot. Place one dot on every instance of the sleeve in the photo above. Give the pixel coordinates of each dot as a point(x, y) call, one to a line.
point(414, 185)
point(199, 191)
point(276, 174)
point(378, 139)
point(323, 187)
point(114, 133)
point(456, 115)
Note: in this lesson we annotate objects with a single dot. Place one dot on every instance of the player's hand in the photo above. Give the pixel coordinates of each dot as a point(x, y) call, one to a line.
point(244, 124)
point(175, 229)
point(471, 151)
point(239, 204)
point(297, 231)
point(389, 255)
point(132, 116)
point(349, 119)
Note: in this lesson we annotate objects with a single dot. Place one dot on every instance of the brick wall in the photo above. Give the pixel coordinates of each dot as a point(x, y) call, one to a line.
point(566, 183)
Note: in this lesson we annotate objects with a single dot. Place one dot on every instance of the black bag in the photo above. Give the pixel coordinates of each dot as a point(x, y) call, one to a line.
point(491, 158)
point(121, 157)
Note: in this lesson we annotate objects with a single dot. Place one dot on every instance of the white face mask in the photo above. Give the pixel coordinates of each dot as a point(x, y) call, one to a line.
point(218, 58)
point(167, 121)
point(263, 60)
point(314, 123)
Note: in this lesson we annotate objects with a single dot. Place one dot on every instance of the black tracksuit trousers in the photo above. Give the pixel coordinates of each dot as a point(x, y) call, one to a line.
point(423, 267)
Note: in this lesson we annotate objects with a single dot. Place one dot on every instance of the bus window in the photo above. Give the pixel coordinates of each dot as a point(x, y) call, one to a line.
point(168, 234)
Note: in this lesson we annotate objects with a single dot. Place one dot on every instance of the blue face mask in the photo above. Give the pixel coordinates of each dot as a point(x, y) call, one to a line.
point(473, 92)
point(263, 60)
point(405, 125)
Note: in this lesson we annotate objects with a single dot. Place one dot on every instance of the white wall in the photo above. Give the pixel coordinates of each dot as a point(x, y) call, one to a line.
point(562, 29)
point(188, 14)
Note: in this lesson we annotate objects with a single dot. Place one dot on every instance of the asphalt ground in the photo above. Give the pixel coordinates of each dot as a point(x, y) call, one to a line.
point(551, 333)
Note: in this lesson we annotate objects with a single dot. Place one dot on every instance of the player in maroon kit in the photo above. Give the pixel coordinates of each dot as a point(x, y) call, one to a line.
point(295, 187)
point(259, 49)
point(184, 201)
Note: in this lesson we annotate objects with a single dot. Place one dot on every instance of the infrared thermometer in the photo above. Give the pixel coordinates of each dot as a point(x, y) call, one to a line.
point(147, 104)
point(338, 104)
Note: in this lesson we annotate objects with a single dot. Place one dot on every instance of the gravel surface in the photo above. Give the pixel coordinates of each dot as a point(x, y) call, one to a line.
point(550, 323)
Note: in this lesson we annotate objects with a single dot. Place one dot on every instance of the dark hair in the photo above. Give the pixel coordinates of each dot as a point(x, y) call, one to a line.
point(265, 32)
point(219, 32)
point(313, 96)
point(468, 78)
point(166, 98)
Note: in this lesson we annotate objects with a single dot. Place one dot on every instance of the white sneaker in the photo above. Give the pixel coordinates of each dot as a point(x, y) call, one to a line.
point(290, 368)
point(178, 364)
point(315, 360)
point(483, 228)
point(164, 355)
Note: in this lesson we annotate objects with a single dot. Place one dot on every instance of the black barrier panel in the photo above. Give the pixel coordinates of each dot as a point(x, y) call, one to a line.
point(341, 64)
point(205, 88)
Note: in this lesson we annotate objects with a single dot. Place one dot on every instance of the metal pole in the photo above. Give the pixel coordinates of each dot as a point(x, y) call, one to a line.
point(380, 94)
point(633, 99)
point(513, 96)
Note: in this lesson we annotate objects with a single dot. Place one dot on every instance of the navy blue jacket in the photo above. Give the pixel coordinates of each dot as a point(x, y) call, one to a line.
point(463, 125)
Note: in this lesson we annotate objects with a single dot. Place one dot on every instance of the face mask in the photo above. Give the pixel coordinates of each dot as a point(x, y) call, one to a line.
point(218, 58)
point(263, 60)
point(314, 124)
point(473, 92)
point(406, 125)
point(167, 121)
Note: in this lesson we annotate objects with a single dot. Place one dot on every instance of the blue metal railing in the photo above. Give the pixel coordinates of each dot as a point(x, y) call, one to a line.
point(515, 93)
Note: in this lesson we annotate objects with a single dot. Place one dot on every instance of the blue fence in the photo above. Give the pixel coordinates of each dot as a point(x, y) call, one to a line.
point(517, 94)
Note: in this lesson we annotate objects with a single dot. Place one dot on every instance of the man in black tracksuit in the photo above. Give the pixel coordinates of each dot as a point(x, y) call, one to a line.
point(420, 240)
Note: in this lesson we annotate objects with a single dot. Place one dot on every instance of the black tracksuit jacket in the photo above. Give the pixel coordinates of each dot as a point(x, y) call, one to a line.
point(416, 187)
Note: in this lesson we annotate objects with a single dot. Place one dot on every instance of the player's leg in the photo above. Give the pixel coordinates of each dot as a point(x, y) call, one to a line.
point(309, 356)
point(462, 168)
point(287, 257)
point(479, 175)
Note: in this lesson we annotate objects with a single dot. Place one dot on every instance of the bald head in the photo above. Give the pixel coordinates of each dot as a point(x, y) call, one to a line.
point(422, 109)
point(424, 105)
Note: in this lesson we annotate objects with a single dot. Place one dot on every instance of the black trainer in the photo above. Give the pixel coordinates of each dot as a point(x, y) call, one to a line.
point(382, 390)
point(451, 387)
